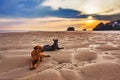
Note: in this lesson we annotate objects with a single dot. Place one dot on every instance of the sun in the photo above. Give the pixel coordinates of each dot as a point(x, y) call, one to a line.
point(90, 19)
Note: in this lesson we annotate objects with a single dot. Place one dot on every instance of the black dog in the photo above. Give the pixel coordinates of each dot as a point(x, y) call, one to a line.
point(52, 47)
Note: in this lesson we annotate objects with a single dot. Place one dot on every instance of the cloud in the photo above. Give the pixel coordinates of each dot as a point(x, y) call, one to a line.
point(66, 13)
point(86, 6)
point(59, 8)
point(34, 9)
point(108, 17)
point(19, 8)
point(11, 23)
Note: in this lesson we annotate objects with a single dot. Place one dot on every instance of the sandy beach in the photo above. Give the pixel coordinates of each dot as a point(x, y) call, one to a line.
point(86, 56)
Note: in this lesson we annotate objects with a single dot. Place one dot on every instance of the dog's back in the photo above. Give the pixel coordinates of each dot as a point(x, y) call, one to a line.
point(52, 47)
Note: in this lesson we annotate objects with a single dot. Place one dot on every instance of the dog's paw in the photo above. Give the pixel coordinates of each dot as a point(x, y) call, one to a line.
point(41, 60)
point(32, 68)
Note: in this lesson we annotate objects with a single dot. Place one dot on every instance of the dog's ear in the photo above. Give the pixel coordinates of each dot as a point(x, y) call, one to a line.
point(40, 47)
point(35, 47)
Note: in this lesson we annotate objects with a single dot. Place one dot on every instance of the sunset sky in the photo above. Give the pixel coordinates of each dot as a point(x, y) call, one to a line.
point(56, 14)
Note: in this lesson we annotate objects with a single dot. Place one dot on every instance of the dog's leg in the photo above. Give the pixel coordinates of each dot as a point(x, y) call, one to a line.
point(47, 56)
point(60, 48)
point(41, 58)
point(31, 65)
point(37, 64)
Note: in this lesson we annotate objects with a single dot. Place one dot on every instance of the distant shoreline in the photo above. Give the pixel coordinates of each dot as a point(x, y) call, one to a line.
point(22, 31)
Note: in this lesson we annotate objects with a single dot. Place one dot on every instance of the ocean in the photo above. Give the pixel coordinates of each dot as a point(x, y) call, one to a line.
point(11, 31)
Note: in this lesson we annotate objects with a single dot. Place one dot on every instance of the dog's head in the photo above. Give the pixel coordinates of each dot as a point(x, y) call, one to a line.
point(38, 48)
point(55, 40)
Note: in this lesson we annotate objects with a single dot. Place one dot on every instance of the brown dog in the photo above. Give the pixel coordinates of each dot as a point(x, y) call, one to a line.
point(36, 57)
